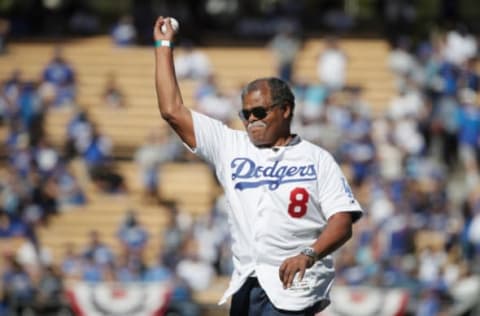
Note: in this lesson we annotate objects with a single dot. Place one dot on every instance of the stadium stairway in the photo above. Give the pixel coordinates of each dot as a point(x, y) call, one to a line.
point(104, 212)
point(191, 185)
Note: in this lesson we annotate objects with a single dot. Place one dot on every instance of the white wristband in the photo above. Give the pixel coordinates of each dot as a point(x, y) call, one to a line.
point(163, 43)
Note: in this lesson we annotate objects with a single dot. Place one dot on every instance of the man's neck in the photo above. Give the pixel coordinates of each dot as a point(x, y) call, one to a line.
point(280, 142)
point(283, 141)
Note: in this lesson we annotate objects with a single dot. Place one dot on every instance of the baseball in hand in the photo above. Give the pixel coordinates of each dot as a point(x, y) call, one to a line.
point(174, 24)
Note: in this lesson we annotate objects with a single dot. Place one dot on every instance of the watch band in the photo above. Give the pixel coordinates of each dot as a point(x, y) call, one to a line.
point(310, 252)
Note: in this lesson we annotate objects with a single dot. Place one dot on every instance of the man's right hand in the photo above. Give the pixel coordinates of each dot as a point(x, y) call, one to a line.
point(157, 30)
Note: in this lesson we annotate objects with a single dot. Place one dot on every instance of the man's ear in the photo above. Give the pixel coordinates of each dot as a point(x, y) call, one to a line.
point(288, 111)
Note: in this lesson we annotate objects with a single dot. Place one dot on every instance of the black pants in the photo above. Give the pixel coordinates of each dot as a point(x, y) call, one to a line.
point(251, 300)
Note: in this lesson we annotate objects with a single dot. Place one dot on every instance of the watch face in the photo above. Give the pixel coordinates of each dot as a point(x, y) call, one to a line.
point(309, 252)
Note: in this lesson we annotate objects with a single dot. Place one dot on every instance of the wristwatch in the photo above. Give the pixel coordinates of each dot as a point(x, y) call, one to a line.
point(310, 252)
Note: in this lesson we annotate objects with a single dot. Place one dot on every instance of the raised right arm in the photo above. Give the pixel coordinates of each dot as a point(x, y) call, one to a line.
point(169, 98)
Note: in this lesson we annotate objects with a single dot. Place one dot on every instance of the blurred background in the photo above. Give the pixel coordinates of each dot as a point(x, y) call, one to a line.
point(103, 211)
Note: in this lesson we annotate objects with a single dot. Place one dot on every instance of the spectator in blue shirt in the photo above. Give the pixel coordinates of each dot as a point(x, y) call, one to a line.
point(58, 71)
point(60, 74)
point(469, 135)
point(158, 272)
point(71, 264)
point(10, 228)
point(132, 235)
point(18, 287)
point(124, 32)
point(98, 252)
point(91, 272)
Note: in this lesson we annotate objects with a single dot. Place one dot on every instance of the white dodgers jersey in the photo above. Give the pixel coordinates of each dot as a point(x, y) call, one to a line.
point(280, 200)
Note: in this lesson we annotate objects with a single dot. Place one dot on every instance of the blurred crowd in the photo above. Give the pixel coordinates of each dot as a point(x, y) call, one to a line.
point(414, 167)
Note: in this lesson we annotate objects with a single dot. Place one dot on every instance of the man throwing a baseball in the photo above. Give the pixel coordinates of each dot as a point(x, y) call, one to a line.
point(290, 204)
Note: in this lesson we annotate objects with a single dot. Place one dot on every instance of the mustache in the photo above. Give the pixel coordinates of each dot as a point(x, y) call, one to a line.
point(256, 124)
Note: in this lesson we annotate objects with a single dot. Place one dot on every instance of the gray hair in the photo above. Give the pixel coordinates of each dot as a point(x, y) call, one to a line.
point(280, 92)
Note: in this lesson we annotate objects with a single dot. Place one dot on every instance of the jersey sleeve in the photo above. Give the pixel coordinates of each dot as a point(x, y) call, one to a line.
point(335, 192)
point(211, 136)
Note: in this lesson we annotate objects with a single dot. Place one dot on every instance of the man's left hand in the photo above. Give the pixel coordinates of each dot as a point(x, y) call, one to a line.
point(291, 266)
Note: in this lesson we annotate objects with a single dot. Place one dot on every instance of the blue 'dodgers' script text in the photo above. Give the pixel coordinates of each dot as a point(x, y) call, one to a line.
point(253, 175)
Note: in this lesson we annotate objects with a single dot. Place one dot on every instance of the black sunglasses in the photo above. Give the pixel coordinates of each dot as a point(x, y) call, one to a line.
point(259, 112)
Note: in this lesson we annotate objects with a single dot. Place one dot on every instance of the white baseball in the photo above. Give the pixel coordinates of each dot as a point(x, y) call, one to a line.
point(173, 22)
